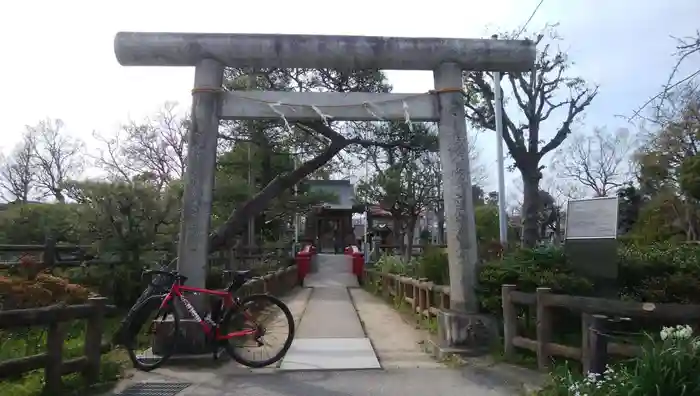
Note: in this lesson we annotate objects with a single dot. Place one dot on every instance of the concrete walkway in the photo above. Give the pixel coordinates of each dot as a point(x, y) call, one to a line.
point(330, 335)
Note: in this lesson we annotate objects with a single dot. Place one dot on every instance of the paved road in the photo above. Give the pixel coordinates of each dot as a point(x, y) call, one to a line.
point(399, 382)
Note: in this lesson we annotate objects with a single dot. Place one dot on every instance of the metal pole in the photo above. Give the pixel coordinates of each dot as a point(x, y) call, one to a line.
point(296, 214)
point(498, 106)
point(251, 219)
point(365, 242)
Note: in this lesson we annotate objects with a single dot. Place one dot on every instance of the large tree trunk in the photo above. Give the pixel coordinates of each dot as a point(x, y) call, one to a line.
point(410, 233)
point(239, 218)
point(531, 203)
point(397, 225)
point(441, 224)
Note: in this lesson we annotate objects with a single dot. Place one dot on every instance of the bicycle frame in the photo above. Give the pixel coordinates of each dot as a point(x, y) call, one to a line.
point(176, 292)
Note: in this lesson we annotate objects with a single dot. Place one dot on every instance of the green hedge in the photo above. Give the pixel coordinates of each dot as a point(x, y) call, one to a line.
point(664, 273)
point(529, 269)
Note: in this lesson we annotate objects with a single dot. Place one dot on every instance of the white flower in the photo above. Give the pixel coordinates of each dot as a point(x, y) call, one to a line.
point(684, 332)
point(679, 332)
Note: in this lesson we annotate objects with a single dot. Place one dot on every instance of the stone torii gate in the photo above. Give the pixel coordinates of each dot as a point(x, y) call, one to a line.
point(447, 58)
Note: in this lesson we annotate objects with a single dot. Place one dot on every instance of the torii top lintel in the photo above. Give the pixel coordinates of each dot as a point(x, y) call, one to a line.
point(317, 51)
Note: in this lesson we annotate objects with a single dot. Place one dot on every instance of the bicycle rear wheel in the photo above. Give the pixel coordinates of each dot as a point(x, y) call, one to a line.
point(258, 313)
point(150, 320)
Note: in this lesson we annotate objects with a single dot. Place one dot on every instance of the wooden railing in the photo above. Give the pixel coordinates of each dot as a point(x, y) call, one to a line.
point(49, 255)
point(592, 311)
point(425, 298)
point(255, 257)
point(55, 318)
point(417, 249)
point(52, 256)
point(277, 282)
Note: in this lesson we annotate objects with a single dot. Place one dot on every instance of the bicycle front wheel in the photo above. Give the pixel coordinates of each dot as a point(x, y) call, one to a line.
point(262, 315)
point(153, 334)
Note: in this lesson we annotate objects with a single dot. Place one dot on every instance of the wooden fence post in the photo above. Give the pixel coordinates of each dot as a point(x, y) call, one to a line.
point(415, 294)
point(544, 328)
point(49, 256)
point(585, 342)
point(93, 339)
point(598, 344)
point(444, 298)
point(510, 320)
point(422, 296)
point(54, 357)
point(384, 284)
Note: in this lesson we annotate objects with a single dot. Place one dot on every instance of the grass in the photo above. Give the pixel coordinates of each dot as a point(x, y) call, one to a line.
point(20, 343)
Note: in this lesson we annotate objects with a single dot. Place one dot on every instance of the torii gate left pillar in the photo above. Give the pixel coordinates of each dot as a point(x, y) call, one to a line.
point(447, 58)
point(195, 218)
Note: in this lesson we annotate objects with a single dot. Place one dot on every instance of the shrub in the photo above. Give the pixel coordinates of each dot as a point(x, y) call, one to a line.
point(529, 269)
point(393, 265)
point(45, 289)
point(434, 266)
point(663, 272)
point(666, 367)
point(29, 224)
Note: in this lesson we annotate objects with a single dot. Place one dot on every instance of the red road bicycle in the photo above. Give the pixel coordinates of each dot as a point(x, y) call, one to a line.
point(232, 319)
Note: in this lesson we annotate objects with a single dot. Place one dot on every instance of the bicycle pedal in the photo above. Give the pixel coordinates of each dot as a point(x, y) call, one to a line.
point(216, 354)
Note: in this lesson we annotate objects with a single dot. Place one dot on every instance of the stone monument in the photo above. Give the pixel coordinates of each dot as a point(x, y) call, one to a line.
point(591, 241)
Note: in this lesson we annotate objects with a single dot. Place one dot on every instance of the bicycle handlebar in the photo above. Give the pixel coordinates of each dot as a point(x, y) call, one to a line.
point(158, 272)
point(173, 275)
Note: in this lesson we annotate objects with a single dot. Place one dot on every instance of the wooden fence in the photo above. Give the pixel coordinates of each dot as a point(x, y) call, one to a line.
point(593, 313)
point(58, 256)
point(396, 249)
point(55, 318)
point(277, 282)
point(425, 298)
point(49, 255)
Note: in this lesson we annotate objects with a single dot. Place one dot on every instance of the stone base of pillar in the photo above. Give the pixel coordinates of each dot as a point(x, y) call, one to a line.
point(192, 340)
point(465, 333)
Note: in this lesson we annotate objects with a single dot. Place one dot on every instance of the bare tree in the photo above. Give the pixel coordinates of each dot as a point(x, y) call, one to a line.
point(478, 169)
point(537, 98)
point(686, 48)
point(597, 161)
point(17, 174)
point(57, 157)
point(156, 146)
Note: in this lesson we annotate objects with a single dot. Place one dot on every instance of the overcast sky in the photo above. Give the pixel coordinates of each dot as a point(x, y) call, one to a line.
point(58, 58)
